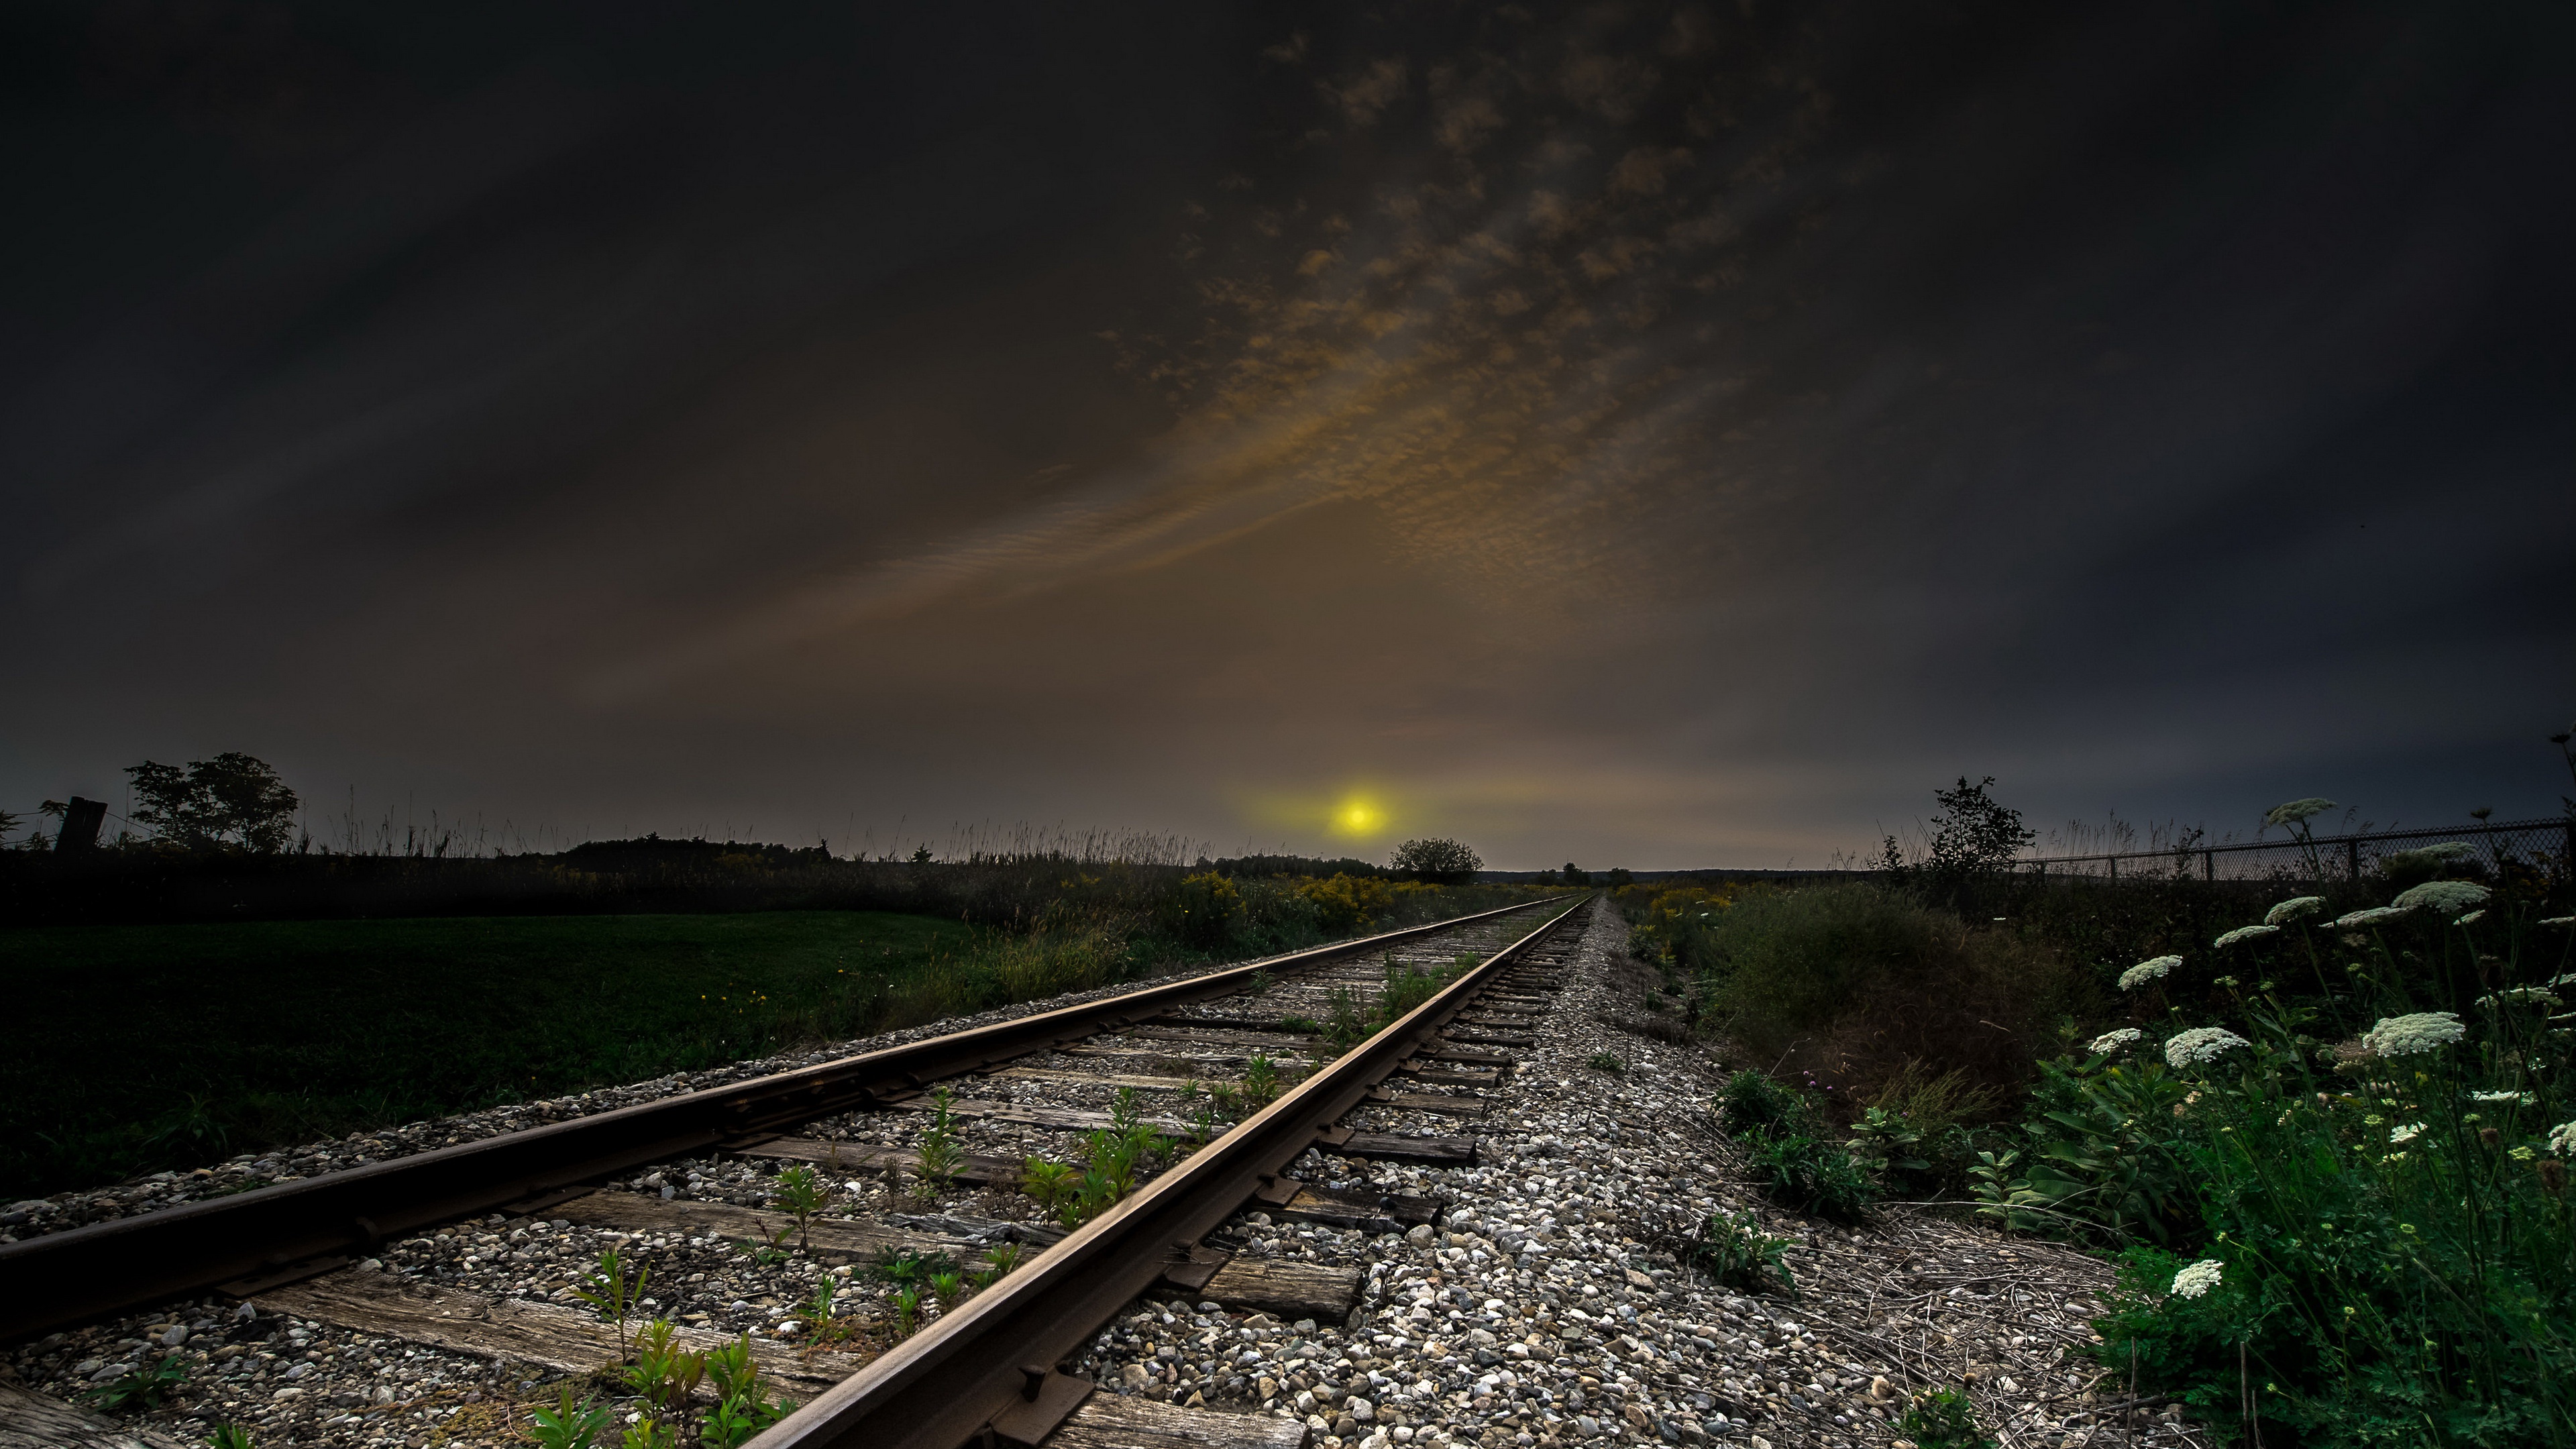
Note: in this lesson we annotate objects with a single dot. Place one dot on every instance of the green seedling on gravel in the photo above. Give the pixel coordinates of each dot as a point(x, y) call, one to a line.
point(1095, 1195)
point(800, 1191)
point(949, 1288)
point(1343, 1024)
point(1260, 1078)
point(236, 1436)
point(1261, 982)
point(736, 1419)
point(1307, 1024)
point(907, 1311)
point(817, 1310)
point(1004, 1257)
point(1049, 1182)
point(566, 1426)
point(662, 1375)
point(144, 1387)
point(1941, 1420)
point(731, 1368)
point(1606, 1062)
point(614, 1297)
point(903, 1266)
point(650, 1433)
point(941, 1156)
point(1736, 1252)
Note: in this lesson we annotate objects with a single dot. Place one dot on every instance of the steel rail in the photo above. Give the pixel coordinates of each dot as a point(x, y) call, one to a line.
point(102, 1269)
point(963, 1378)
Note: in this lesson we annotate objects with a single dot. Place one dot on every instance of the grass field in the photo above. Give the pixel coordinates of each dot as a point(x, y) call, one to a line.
point(130, 1048)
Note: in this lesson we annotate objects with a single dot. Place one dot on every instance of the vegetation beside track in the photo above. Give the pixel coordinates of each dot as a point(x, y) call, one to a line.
point(145, 1047)
point(2331, 1153)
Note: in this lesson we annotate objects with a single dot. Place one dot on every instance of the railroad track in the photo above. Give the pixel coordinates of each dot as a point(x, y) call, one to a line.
point(979, 1103)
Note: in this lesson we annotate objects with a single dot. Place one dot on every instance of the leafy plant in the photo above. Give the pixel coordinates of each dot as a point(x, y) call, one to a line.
point(650, 1433)
point(1812, 1176)
point(949, 1288)
point(1343, 1024)
point(237, 1436)
point(1048, 1181)
point(1260, 1078)
point(144, 1387)
point(567, 1425)
point(1737, 1253)
point(1942, 1419)
point(613, 1295)
point(1606, 1062)
point(1752, 1102)
point(1002, 1257)
point(907, 1311)
point(662, 1375)
point(941, 1156)
point(800, 1192)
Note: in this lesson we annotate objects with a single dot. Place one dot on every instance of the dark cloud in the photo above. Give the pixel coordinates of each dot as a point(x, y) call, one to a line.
point(1664, 433)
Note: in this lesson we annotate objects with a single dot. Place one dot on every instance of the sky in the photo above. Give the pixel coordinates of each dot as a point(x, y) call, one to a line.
point(1658, 435)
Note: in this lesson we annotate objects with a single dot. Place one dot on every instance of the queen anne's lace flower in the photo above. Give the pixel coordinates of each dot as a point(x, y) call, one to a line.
point(2146, 971)
point(2520, 993)
point(2556, 921)
point(2371, 917)
point(2244, 933)
point(2198, 1279)
point(2471, 916)
point(2424, 855)
point(2291, 812)
point(2201, 1045)
point(2562, 1139)
point(2407, 1133)
point(2112, 1041)
point(2292, 909)
point(2519, 1098)
point(2442, 895)
point(2413, 1033)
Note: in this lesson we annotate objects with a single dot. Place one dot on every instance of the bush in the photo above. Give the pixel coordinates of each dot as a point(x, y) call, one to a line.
point(1860, 983)
point(1782, 1128)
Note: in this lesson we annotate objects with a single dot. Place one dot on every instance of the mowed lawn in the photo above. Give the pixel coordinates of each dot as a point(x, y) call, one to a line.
point(135, 1048)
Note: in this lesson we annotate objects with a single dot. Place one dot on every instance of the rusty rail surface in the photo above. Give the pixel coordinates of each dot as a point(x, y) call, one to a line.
point(984, 1372)
point(291, 1229)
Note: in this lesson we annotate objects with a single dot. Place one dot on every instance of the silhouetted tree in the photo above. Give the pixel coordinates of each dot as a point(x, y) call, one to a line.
point(1440, 861)
point(231, 801)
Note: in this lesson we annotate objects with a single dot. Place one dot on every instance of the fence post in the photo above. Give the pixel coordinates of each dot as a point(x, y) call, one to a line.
point(2209, 865)
point(2352, 859)
point(81, 819)
point(2114, 862)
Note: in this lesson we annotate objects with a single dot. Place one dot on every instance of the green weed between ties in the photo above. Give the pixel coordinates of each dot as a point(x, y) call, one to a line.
point(144, 1387)
point(229, 1436)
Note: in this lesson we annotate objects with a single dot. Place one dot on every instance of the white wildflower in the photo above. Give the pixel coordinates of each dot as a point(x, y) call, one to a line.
point(2112, 1041)
point(2519, 1099)
point(2556, 921)
point(2432, 855)
point(2413, 1033)
point(2146, 971)
point(2520, 993)
point(2370, 917)
point(2244, 933)
point(2292, 909)
point(2202, 1045)
point(2197, 1279)
point(2562, 1139)
point(2471, 916)
point(2293, 811)
point(2407, 1133)
point(2442, 895)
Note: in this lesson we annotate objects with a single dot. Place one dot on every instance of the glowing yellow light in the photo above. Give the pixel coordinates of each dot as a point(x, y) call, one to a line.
point(1358, 817)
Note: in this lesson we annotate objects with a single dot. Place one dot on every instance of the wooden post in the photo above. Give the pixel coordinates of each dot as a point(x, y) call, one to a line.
point(2114, 862)
point(2209, 865)
point(2352, 858)
point(81, 819)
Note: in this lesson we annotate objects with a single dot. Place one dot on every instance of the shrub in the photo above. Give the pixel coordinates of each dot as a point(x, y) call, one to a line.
point(1347, 904)
point(1203, 911)
point(1861, 983)
point(1813, 1176)
point(1737, 1253)
point(1753, 1103)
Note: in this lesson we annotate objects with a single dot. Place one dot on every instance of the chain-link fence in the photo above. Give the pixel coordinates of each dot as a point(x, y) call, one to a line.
point(2541, 853)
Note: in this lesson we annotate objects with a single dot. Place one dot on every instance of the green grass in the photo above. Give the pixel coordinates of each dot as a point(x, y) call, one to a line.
point(134, 1048)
